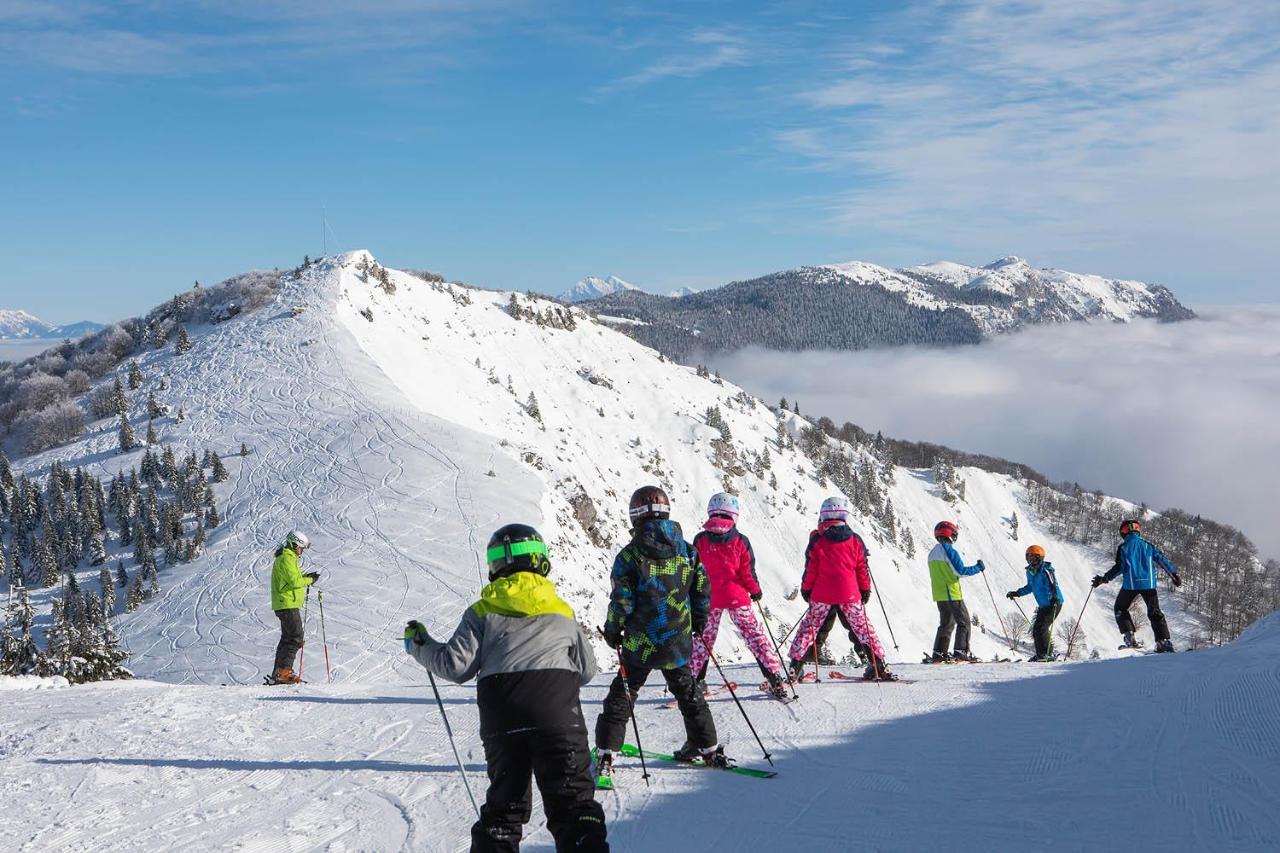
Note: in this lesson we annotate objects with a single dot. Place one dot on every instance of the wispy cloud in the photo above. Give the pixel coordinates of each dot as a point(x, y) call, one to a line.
point(702, 51)
point(1177, 415)
point(1057, 126)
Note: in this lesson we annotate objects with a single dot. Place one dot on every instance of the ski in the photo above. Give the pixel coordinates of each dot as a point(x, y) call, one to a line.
point(604, 781)
point(860, 680)
point(755, 773)
point(714, 691)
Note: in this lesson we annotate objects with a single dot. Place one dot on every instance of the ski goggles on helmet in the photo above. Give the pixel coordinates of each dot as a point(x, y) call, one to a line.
point(510, 550)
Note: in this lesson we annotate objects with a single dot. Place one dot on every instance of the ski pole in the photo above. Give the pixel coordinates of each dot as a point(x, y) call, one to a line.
point(1076, 627)
point(306, 606)
point(324, 639)
point(449, 731)
point(887, 623)
point(1013, 643)
point(734, 694)
point(635, 727)
point(776, 649)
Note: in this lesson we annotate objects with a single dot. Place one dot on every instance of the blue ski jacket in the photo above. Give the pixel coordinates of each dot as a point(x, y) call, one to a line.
point(1136, 559)
point(1043, 583)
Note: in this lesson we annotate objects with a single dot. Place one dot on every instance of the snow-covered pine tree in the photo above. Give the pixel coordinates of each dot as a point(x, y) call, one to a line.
point(1013, 527)
point(531, 408)
point(119, 402)
point(97, 551)
point(19, 654)
point(122, 576)
point(107, 588)
point(182, 345)
point(136, 594)
point(135, 376)
point(211, 518)
point(244, 449)
point(128, 441)
point(218, 471)
point(154, 409)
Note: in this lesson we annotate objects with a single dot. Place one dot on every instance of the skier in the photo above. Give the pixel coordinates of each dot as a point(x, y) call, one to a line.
point(730, 565)
point(1136, 559)
point(288, 591)
point(945, 570)
point(836, 576)
point(1043, 583)
point(658, 602)
point(529, 657)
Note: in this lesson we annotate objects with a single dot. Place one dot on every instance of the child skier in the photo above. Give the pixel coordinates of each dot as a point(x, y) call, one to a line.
point(1043, 583)
point(731, 570)
point(288, 591)
point(1136, 559)
point(945, 570)
point(836, 575)
point(659, 601)
point(530, 657)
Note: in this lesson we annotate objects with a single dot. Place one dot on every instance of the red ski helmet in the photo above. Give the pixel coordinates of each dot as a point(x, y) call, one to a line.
point(1130, 525)
point(649, 502)
point(946, 530)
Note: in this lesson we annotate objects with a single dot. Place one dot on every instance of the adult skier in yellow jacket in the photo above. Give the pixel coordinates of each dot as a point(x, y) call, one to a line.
point(288, 591)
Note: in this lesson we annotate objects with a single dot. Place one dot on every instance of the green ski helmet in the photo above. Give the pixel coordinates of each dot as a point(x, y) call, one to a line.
point(516, 548)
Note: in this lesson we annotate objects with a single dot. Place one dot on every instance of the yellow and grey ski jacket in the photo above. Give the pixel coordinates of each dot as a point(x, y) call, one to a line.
point(528, 654)
point(288, 585)
point(945, 570)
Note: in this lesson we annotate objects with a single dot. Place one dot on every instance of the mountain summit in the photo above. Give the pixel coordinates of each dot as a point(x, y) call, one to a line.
point(20, 325)
point(594, 287)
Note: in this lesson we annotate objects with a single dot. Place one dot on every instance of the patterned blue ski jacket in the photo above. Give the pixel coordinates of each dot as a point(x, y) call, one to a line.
point(660, 596)
point(1044, 584)
point(1136, 559)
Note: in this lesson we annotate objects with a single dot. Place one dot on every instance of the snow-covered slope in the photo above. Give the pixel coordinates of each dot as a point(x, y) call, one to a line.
point(594, 287)
point(395, 428)
point(1170, 752)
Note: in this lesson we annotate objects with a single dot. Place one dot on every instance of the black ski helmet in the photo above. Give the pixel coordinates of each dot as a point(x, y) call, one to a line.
point(516, 548)
point(648, 502)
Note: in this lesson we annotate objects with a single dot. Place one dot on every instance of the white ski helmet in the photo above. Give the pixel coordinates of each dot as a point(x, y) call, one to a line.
point(834, 509)
point(297, 540)
point(724, 503)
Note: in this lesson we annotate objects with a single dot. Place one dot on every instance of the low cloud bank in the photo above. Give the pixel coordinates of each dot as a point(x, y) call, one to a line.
point(1185, 415)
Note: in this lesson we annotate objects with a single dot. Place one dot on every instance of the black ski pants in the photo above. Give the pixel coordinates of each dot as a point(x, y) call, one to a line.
point(1151, 598)
point(561, 764)
point(290, 637)
point(952, 615)
point(1042, 628)
point(611, 725)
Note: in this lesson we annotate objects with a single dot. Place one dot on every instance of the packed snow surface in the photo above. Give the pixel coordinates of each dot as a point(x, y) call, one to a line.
point(1165, 752)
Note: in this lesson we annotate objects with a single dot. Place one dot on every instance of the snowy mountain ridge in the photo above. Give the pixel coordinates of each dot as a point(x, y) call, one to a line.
point(399, 423)
point(17, 324)
point(866, 305)
point(594, 287)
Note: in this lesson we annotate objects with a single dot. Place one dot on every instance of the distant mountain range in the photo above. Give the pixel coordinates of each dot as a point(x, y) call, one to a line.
point(593, 287)
point(16, 324)
point(859, 305)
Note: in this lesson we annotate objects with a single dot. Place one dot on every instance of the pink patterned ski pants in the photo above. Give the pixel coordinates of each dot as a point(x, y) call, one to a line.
point(748, 628)
point(853, 614)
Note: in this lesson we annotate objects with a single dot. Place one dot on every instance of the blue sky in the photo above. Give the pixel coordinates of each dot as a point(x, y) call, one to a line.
point(149, 144)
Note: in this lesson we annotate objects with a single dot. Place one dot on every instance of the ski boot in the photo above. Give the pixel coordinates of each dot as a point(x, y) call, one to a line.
point(824, 656)
point(797, 671)
point(776, 687)
point(878, 670)
point(965, 657)
point(604, 763)
point(937, 657)
point(702, 687)
point(1164, 647)
point(1131, 642)
point(283, 675)
point(711, 756)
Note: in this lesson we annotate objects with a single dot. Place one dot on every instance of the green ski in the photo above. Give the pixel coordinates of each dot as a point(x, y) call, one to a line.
point(604, 781)
point(631, 752)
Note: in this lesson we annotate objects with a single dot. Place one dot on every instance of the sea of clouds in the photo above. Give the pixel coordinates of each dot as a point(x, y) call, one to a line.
point(1178, 415)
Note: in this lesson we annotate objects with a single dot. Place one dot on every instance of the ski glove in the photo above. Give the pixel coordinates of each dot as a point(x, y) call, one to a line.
point(315, 576)
point(414, 634)
point(1011, 595)
point(982, 567)
point(866, 596)
point(756, 596)
point(612, 639)
point(804, 593)
point(1177, 579)
point(1098, 580)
